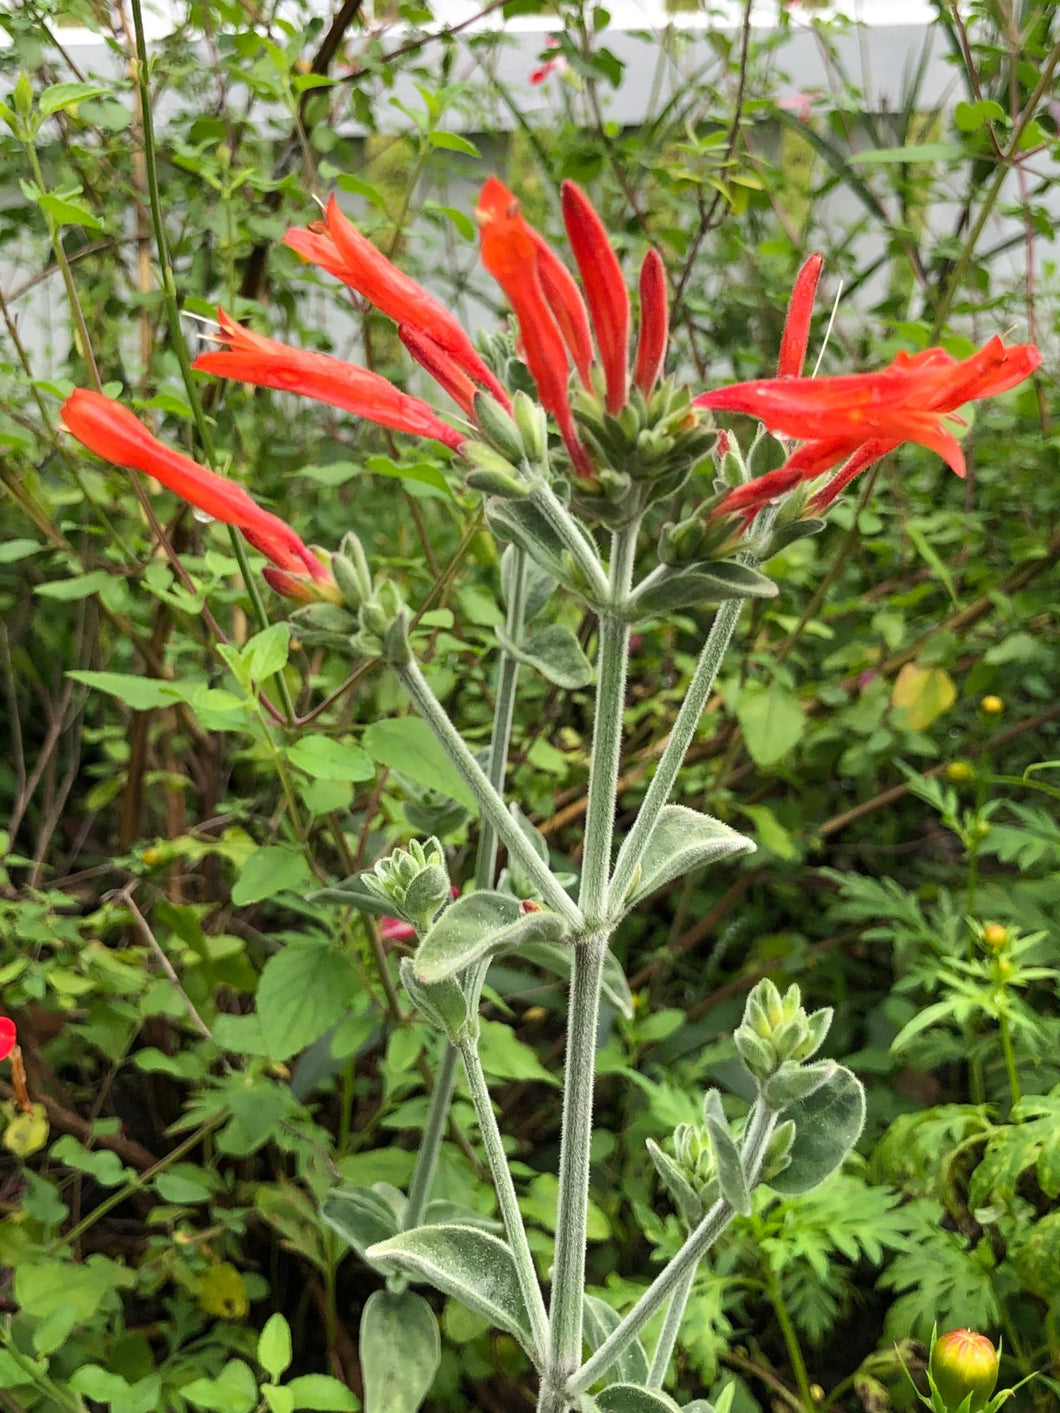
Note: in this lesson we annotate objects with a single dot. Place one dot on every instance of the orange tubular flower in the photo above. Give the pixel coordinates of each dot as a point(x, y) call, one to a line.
point(112, 432)
point(797, 325)
point(568, 308)
point(509, 253)
point(336, 245)
point(654, 323)
point(605, 290)
point(251, 358)
point(441, 366)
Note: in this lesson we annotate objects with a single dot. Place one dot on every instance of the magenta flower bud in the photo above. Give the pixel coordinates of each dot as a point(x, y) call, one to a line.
point(963, 1363)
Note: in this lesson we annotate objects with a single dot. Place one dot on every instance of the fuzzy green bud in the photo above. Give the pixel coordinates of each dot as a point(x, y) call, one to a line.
point(533, 427)
point(498, 428)
point(964, 1365)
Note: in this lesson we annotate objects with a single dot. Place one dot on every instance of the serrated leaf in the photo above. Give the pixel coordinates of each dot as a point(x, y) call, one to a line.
point(234, 1390)
point(827, 1125)
point(555, 652)
point(683, 840)
point(269, 871)
point(475, 926)
point(473, 1266)
point(303, 991)
point(400, 1350)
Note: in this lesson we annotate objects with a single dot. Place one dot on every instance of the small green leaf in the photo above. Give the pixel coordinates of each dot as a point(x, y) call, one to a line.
point(919, 152)
point(324, 758)
point(406, 744)
point(453, 142)
point(772, 721)
point(321, 1391)
point(827, 1125)
point(11, 550)
point(555, 652)
point(424, 473)
point(139, 693)
point(274, 1346)
point(68, 211)
point(269, 871)
point(681, 841)
point(400, 1351)
point(234, 1390)
point(477, 925)
point(471, 1265)
point(602, 1320)
point(65, 95)
point(265, 653)
point(79, 587)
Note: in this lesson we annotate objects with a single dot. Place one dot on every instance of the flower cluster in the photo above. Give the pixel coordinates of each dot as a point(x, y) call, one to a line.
point(620, 420)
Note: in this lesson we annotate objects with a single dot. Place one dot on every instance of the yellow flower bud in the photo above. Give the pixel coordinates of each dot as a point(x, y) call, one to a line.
point(959, 772)
point(991, 706)
point(963, 1363)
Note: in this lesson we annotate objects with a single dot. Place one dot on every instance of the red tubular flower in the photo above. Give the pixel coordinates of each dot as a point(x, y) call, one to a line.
point(605, 290)
point(440, 365)
point(510, 255)
point(797, 325)
point(251, 358)
point(568, 308)
point(654, 323)
point(112, 432)
point(336, 245)
point(8, 1036)
point(909, 401)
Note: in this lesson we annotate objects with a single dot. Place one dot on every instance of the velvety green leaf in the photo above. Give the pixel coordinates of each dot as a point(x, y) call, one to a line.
point(471, 1265)
point(630, 1398)
point(406, 744)
point(556, 958)
point(361, 1216)
point(303, 990)
point(601, 1320)
point(555, 652)
point(713, 583)
point(400, 1350)
point(827, 1125)
point(476, 925)
point(683, 840)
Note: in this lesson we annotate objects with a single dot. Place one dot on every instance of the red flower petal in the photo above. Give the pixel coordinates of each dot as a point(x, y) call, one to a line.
point(605, 290)
point(8, 1036)
point(797, 325)
point(251, 358)
point(654, 323)
point(112, 432)
point(441, 366)
point(568, 308)
point(339, 247)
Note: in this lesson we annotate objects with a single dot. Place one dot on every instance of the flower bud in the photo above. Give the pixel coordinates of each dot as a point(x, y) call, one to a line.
point(499, 429)
point(995, 936)
point(963, 1363)
point(991, 706)
point(959, 772)
point(533, 426)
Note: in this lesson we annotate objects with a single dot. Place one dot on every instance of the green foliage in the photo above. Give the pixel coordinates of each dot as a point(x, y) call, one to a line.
point(229, 1085)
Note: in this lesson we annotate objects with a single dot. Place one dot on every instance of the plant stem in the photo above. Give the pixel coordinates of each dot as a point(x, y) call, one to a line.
point(568, 1267)
point(431, 1142)
point(660, 1360)
point(515, 1231)
point(791, 1339)
point(489, 799)
point(1010, 1057)
point(760, 1126)
point(684, 728)
point(607, 731)
point(574, 540)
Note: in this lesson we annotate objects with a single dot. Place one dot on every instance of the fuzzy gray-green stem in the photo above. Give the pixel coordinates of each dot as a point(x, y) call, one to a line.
point(574, 541)
point(699, 689)
point(568, 1267)
point(675, 1313)
point(489, 799)
point(514, 1229)
point(752, 1150)
point(431, 1142)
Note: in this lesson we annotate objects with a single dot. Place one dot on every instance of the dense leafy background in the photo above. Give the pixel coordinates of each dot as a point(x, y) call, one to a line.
point(211, 1051)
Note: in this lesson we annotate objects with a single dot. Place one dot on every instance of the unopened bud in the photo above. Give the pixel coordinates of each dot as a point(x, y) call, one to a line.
point(991, 706)
point(995, 936)
point(533, 426)
point(499, 429)
point(964, 1363)
point(959, 772)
